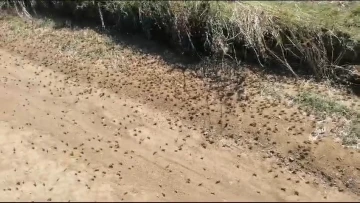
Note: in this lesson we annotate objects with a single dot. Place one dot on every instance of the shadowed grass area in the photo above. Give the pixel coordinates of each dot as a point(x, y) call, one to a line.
point(311, 37)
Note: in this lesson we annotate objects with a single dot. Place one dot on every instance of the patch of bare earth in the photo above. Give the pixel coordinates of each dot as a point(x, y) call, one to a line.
point(83, 119)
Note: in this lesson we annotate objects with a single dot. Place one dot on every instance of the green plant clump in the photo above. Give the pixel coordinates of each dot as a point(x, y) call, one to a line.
point(322, 105)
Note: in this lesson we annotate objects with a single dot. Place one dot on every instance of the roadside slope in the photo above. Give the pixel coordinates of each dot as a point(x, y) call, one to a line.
point(77, 129)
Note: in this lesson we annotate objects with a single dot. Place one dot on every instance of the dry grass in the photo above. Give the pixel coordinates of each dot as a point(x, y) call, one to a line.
point(335, 16)
point(317, 36)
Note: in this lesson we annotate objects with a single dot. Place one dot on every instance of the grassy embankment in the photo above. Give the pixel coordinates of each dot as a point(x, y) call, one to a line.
point(304, 37)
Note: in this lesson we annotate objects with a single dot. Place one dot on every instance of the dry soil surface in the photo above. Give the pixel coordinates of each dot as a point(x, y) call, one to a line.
point(76, 128)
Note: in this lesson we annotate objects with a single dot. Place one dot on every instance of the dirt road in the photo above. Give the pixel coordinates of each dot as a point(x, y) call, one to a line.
point(64, 139)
